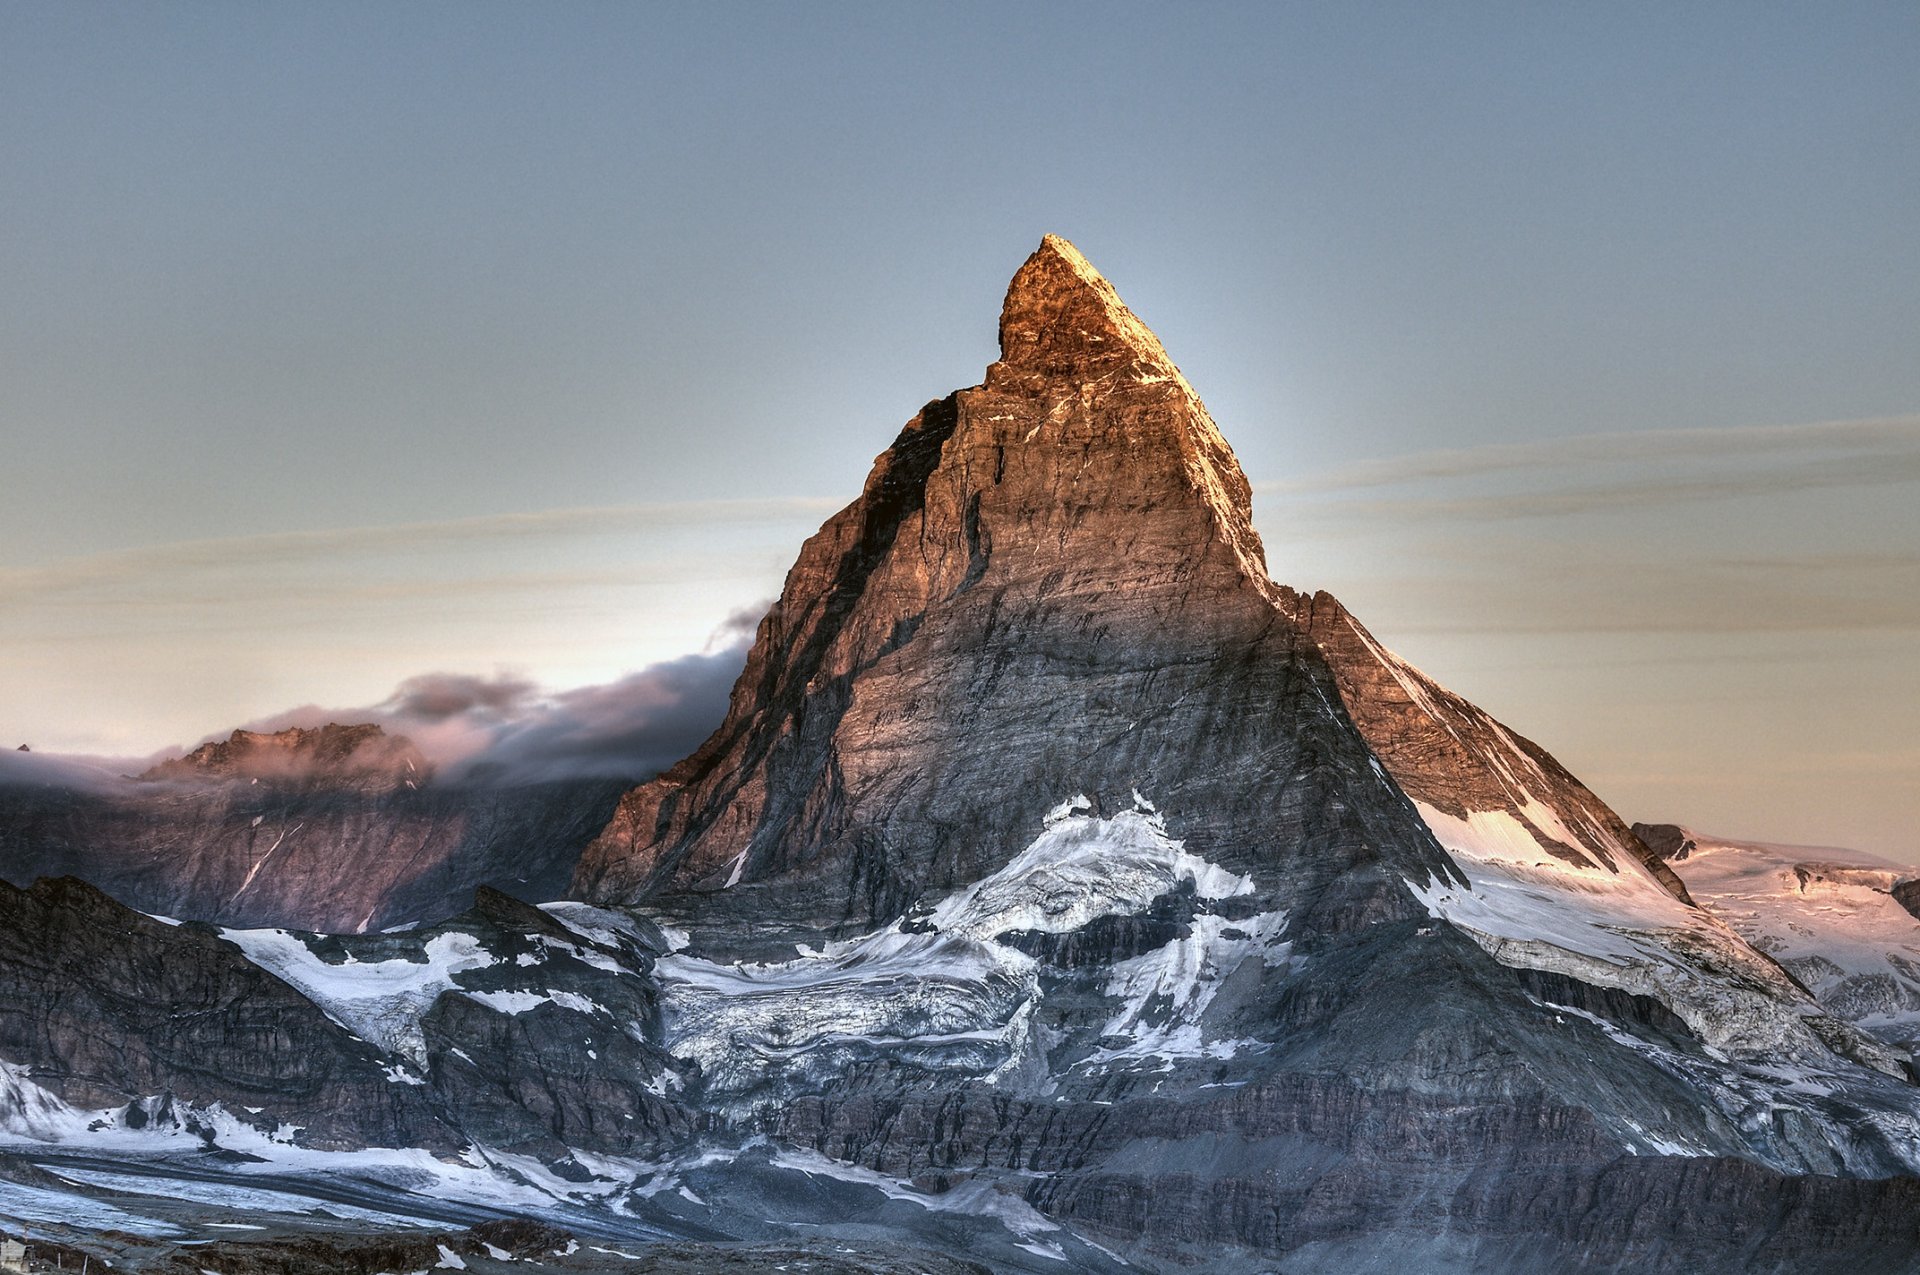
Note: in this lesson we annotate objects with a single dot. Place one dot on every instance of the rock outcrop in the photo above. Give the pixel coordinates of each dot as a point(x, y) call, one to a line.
point(501, 1025)
point(333, 755)
point(111, 1009)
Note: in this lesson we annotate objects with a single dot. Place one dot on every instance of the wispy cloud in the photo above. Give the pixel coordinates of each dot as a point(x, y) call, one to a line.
point(1889, 437)
point(169, 565)
point(1501, 587)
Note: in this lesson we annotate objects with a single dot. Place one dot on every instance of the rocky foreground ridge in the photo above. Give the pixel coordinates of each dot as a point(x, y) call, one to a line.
point(1061, 891)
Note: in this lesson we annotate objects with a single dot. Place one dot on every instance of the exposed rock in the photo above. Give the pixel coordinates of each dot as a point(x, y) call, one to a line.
point(377, 1254)
point(111, 1008)
point(1670, 841)
point(1450, 755)
point(333, 755)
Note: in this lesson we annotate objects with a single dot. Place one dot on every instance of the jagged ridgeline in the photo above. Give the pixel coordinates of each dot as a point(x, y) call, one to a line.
point(1062, 891)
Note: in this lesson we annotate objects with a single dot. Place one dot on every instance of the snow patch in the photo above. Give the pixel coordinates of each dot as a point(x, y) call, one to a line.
point(520, 1002)
point(1165, 993)
point(379, 1001)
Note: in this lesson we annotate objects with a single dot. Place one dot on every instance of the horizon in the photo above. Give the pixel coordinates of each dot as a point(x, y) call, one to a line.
point(335, 364)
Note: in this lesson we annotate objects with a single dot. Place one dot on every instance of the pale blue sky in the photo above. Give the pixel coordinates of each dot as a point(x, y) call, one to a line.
point(326, 268)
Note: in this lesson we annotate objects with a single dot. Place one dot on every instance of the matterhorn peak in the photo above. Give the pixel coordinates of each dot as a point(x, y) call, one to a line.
point(1076, 520)
point(1063, 320)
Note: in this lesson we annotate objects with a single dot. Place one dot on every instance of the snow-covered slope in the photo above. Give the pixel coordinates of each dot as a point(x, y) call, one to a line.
point(1615, 926)
point(941, 988)
point(1555, 881)
point(1830, 916)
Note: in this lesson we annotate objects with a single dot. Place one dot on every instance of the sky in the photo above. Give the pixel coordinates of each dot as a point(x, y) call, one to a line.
point(1572, 346)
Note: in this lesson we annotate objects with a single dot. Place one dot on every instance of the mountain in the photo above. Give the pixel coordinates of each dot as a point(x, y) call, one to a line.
point(1058, 890)
point(1031, 714)
point(341, 828)
point(1050, 586)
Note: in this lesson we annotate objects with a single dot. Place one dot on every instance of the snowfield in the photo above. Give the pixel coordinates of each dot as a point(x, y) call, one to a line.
point(1769, 1047)
point(943, 990)
point(1829, 916)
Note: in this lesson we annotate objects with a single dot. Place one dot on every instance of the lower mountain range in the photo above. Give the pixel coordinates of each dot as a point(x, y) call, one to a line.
point(1058, 892)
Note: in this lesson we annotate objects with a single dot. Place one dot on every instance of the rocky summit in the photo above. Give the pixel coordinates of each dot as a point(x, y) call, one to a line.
point(1058, 893)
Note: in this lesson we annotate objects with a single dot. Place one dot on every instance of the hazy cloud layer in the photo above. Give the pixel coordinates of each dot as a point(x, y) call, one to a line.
point(174, 565)
point(507, 729)
point(1891, 437)
point(1600, 474)
point(80, 774)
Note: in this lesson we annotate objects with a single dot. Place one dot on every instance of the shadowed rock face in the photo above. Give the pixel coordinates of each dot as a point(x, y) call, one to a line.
point(150, 1024)
point(111, 1007)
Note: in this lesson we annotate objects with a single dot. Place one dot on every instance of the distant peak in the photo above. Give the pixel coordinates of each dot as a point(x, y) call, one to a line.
point(331, 752)
point(1062, 319)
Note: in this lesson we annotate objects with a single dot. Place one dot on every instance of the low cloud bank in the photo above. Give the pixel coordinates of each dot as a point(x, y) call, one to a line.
point(629, 729)
point(507, 730)
point(79, 774)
